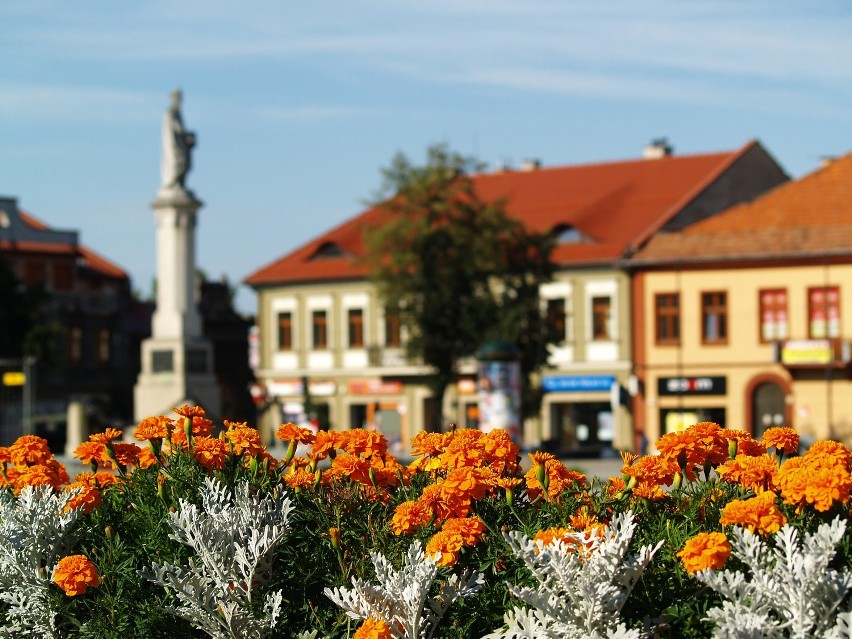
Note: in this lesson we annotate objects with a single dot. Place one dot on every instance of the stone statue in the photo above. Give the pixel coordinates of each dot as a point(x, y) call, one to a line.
point(177, 147)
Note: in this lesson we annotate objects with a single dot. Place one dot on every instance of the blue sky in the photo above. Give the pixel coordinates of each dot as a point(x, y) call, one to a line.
point(298, 105)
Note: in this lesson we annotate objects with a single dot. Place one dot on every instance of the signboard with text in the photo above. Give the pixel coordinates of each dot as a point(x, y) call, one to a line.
point(692, 386)
point(577, 383)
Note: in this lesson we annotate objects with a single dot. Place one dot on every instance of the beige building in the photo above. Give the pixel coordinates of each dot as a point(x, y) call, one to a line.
point(321, 325)
point(745, 319)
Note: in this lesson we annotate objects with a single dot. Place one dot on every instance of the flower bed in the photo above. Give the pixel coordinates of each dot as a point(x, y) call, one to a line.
point(196, 534)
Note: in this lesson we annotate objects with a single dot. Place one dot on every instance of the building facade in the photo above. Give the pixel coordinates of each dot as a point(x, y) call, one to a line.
point(325, 340)
point(744, 319)
point(91, 333)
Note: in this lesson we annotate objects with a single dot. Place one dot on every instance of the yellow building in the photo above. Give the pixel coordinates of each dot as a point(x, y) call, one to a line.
point(322, 325)
point(745, 319)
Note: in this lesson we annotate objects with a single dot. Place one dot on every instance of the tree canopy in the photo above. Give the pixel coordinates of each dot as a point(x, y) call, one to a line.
point(457, 270)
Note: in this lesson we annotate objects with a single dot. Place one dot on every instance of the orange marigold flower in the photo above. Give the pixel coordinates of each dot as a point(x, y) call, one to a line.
point(36, 475)
point(500, 449)
point(699, 445)
point(409, 517)
point(815, 478)
point(230, 425)
point(290, 432)
point(649, 491)
point(153, 428)
point(245, 440)
point(656, 470)
point(189, 411)
point(146, 458)
point(447, 544)
point(5, 454)
point(427, 444)
point(74, 574)
point(110, 434)
point(558, 477)
point(300, 478)
point(29, 449)
point(614, 485)
point(373, 629)
point(838, 451)
point(465, 482)
point(745, 443)
point(88, 452)
point(364, 443)
point(627, 459)
point(550, 535)
point(782, 439)
point(540, 458)
point(325, 442)
point(470, 529)
point(584, 520)
point(210, 452)
point(705, 550)
point(88, 498)
point(759, 514)
point(351, 467)
point(126, 454)
point(752, 473)
point(463, 448)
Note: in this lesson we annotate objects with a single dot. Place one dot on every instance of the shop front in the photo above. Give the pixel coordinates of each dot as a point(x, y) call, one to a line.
point(581, 414)
point(685, 401)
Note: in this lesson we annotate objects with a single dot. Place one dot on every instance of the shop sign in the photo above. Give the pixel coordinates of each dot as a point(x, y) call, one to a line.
point(14, 378)
point(807, 351)
point(291, 387)
point(577, 383)
point(374, 387)
point(692, 386)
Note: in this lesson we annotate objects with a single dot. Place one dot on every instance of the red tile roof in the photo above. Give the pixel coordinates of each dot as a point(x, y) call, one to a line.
point(803, 218)
point(91, 259)
point(615, 203)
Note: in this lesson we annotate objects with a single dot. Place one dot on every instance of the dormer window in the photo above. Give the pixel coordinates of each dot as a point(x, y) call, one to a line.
point(327, 251)
point(567, 234)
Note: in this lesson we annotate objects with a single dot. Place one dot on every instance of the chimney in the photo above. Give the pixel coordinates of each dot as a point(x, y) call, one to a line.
point(530, 164)
point(659, 148)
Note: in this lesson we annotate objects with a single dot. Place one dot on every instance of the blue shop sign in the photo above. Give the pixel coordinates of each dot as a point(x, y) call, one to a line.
point(577, 383)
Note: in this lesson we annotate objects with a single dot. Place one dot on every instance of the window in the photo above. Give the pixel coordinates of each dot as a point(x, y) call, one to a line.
point(601, 318)
point(62, 276)
point(103, 345)
point(556, 321)
point(773, 314)
point(392, 332)
point(667, 318)
point(285, 331)
point(75, 345)
point(824, 312)
point(320, 326)
point(714, 317)
point(356, 327)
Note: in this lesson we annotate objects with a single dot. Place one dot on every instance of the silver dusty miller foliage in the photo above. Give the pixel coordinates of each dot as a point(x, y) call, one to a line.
point(35, 532)
point(235, 535)
point(581, 588)
point(401, 598)
point(790, 590)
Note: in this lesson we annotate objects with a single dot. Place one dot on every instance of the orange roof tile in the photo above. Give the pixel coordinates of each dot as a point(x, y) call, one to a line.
point(615, 203)
point(803, 218)
point(92, 260)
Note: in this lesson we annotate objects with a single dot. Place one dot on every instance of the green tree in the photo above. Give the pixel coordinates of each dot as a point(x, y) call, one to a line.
point(457, 270)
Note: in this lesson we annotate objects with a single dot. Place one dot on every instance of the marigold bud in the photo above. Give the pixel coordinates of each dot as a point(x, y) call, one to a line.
point(334, 534)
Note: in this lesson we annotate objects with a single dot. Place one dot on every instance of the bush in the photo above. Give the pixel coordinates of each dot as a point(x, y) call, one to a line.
point(199, 534)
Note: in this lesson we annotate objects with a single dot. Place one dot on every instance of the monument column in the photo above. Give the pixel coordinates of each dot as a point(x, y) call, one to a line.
point(177, 361)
